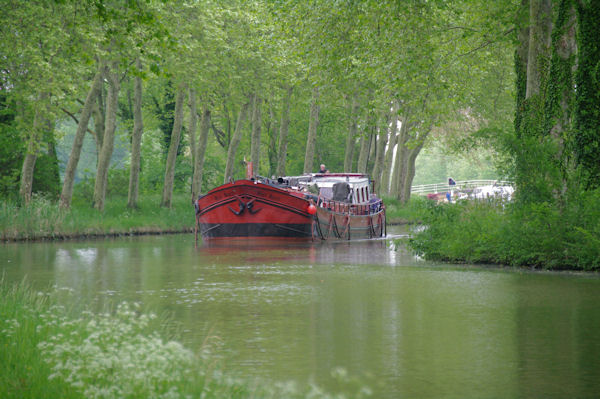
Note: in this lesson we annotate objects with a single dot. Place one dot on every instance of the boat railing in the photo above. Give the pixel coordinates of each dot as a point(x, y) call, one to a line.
point(352, 209)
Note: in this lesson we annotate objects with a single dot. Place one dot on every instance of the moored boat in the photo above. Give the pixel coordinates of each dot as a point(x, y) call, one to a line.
point(312, 206)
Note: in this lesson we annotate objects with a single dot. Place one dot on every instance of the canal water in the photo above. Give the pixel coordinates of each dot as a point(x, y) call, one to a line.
point(312, 312)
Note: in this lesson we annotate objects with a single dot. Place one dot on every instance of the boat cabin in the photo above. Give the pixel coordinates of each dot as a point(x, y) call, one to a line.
point(353, 189)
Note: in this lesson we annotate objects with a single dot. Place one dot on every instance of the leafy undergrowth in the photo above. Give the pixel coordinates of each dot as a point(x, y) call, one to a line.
point(533, 235)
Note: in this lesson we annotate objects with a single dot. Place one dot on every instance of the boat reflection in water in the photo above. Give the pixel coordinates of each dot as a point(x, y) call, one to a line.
point(280, 250)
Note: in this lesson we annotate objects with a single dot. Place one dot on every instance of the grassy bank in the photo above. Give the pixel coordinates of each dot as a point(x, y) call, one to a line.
point(413, 212)
point(50, 351)
point(42, 219)
point(539, 235)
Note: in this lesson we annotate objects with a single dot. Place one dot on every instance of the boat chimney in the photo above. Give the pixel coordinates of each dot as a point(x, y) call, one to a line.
point(249, 170)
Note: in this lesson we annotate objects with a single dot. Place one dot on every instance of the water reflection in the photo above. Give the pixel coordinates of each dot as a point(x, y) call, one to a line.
point(299, 310)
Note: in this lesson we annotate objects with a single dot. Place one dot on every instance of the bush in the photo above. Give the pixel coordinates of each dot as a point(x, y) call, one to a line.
point(538, 234)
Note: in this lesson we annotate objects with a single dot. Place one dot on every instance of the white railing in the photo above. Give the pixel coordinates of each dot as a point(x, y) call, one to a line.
point(460, 185)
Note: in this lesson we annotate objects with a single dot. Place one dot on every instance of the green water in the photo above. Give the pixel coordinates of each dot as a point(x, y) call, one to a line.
point(297, 312)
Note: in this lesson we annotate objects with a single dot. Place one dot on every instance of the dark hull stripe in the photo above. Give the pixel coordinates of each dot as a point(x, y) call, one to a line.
point(221, 230)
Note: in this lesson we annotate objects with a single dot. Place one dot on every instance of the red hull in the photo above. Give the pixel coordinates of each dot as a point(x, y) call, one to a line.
point(251, 209)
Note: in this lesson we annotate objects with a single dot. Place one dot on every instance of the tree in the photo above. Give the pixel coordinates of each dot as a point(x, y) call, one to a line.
point(136, 141)
point(82, 128)
point(173, 145)
point(201, 150)
point(235, 141)
point(114, 85)
point(312, 131)
point(256, 130)
point(283, 132)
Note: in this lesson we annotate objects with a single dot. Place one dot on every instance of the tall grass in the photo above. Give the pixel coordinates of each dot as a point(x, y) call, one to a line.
point(42, 218)
point(412, 212)
point(541, 235)
point(49, 351)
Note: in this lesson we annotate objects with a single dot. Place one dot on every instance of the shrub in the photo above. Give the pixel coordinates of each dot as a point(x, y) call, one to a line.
point(539, 234)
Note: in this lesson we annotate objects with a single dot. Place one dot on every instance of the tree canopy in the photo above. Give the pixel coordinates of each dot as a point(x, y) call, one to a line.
point(290, 84)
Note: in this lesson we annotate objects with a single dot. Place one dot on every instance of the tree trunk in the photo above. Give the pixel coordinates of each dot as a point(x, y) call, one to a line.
point(33, 144)
point(98, 113)
point(586, 142)
point(400, 162)
point(86, 112)
point(256, 130)
point(283, 132)
point(366, 142)
point(521, 64)
point(372, 148)
point(410, 174)
point(235, 141)
point(136, 141)
point(563, 67)
point(313, 124)
point(382, 139)
point(201, 150)
point(28, 168)
point(53, 155)
point(108, 137)
point(271, 128)
point(192, 133)
point(363, 155)
point(540, 14)
point(389, 154)
point(173, 146)
point(350, 139)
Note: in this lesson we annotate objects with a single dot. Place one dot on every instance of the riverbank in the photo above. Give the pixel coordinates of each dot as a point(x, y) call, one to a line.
point(65, 351)
point(42, 219)
point(535, 235)
point(411, 213)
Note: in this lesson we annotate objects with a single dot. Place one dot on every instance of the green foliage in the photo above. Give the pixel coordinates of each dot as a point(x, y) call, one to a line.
point(587, 79)
point(519, 234)
point(413, 212)
point(11, 149)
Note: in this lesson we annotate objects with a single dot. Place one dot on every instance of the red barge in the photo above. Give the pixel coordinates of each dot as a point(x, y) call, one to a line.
point(312, 206)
